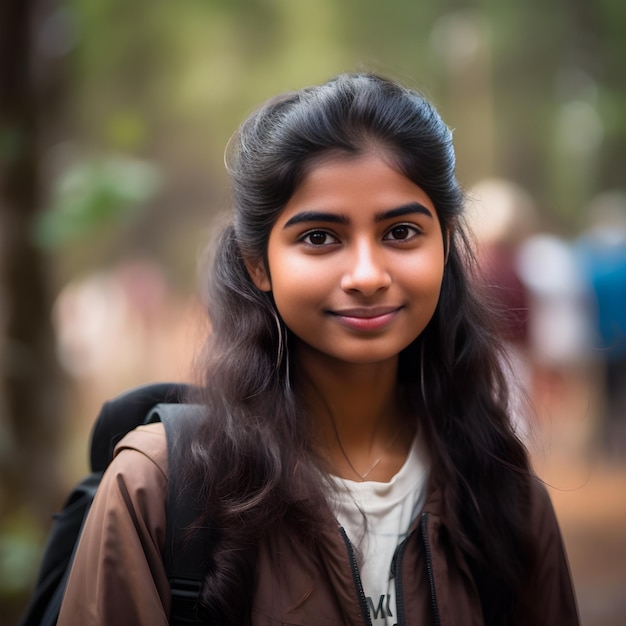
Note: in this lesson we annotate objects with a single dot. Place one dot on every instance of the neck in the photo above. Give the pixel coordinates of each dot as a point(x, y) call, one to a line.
point(359, 424)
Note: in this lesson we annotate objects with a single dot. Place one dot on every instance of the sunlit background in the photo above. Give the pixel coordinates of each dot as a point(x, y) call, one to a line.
point(114, 116)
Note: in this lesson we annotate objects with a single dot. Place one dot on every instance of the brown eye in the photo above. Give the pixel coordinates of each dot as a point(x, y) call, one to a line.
point(401, 232)
point(318, 238)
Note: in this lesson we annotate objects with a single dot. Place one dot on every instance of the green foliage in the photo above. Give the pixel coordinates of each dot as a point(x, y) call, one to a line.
point(93, 194)
point(126, 130)
point(171, 81)
point(20, 548)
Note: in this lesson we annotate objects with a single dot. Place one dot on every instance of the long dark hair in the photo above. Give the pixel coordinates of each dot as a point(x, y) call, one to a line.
point(252, 455)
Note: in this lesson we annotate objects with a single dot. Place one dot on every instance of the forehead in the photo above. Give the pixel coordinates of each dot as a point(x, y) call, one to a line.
point(339, 181)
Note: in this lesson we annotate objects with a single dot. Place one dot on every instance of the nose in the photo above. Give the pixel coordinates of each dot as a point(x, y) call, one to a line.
point(366, 270)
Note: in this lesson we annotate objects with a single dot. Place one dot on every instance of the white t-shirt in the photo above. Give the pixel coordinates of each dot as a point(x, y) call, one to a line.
point(389, 509)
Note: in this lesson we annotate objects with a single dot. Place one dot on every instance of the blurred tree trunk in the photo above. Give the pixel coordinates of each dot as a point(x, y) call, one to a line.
point(29, 379)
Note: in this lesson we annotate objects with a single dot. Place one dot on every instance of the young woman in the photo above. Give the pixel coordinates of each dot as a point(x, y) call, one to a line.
point(357, 456)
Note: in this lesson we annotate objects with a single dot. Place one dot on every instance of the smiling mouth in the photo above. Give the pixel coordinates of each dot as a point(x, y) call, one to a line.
point(366, 312)
point(366, 319)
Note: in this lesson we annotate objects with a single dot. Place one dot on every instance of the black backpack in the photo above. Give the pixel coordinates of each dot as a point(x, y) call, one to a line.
point(185, 560)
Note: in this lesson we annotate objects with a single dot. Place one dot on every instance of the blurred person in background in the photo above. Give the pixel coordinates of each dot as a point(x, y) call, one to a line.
point(501, 215)
point(602, 252)
point(560, 342)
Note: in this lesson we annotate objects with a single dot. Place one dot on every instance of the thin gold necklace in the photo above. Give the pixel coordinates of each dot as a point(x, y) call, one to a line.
point(363, 477)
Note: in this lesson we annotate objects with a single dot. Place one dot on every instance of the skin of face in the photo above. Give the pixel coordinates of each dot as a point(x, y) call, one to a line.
point(354, 262)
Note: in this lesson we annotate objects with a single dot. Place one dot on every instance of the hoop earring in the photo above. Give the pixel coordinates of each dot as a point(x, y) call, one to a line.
point(281, 343)
point(422, 384)
point(282, 354)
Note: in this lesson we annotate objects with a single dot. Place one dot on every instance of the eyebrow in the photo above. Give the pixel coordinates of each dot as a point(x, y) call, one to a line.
point(335, 218)
point(406, 209)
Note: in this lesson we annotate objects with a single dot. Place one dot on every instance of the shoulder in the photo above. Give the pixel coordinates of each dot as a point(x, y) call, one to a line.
point(133, 490)
point(542, 514)
point(551, 590)
point(144, 446)
point(120, 552)
point(137, 477)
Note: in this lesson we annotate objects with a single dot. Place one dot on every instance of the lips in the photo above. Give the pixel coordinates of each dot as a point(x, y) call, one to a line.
point(366, 318)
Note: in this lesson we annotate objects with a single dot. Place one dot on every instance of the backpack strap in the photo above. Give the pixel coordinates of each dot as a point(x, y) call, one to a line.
point(126, 411)
point(187, 554)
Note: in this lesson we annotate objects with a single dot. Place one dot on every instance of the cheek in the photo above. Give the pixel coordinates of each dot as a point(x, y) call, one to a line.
point(290, 287)
point(301, 278)
point(297, 294)
point(425, 273)
point(425, 288)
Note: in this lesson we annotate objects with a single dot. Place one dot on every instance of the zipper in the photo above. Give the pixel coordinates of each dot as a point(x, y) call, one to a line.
point(356, 577)
point(429, 569)
point(396, 571)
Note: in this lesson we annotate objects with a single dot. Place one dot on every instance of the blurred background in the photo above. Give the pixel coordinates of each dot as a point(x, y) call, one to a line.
point(114, 117)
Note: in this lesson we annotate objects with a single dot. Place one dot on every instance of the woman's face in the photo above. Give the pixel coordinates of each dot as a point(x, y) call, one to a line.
point(355, 261)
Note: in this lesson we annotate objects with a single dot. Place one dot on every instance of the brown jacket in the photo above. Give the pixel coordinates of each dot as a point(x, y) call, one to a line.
point(119, 579)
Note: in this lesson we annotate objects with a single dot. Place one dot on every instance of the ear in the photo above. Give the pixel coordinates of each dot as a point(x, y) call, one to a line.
point(258, 274)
